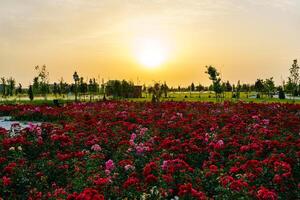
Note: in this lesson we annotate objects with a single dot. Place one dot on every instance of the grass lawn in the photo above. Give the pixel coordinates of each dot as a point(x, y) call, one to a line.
point(172, 96)
point(210, 97)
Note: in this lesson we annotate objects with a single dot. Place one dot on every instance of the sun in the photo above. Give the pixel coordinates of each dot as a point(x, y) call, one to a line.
point(151, 53)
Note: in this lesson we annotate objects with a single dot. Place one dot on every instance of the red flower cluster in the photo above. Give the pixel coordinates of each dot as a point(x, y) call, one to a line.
point(89, 194)
point(120, 150)
point(187, 190)
point(265, 194)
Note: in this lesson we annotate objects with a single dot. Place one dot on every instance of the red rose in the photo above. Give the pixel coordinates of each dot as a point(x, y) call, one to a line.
point(6, 181)
point(151, 178)
point(90, 194)
point(101, 181)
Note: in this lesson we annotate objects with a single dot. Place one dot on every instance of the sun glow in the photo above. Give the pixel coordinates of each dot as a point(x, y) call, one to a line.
point(151, 53)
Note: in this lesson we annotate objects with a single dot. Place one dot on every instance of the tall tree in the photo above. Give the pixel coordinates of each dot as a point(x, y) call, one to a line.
point(238, 89)
point(30, 93)
point(43, 76)
point(19, 90)
point(165, 89)
point(11, 86)
point(156, 93)
point(55, 89)
point(281, 94)
point(92, 88)
point(200, 88)
point(63, 87)
point(259, 87)
point(83, 87)
point(76, 81)
point(294, 77)
point(192, 87)
point(114, 88)
point(228, 87)
point(145, 90)
point(36, 85)
point(269, 86)
point(216, 80)
point(3, 87)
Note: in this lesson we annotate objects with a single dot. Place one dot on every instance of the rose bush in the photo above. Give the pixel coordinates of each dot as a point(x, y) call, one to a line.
point(118, 150)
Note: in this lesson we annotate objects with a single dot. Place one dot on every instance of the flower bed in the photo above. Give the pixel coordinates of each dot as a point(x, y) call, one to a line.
point(119, 150)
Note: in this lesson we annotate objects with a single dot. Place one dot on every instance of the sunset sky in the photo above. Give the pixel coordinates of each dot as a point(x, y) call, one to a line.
point(244, 39)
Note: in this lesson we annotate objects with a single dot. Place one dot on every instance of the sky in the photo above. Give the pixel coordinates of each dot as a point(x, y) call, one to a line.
point(243, 39)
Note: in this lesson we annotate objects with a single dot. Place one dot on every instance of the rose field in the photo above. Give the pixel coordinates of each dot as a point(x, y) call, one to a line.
point(138, 150)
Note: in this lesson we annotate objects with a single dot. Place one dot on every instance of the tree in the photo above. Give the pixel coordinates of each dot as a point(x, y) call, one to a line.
point(76, 80)
point(3, 87)
point(238, 89)
point(165, 89)
point(103, 89)
point(120, 89)
point(92, 88)
point(145, 90)
point(114, 88)
point(228, 87)
point(200, 88)
point(281, 94)
point(156, 93)
point(43, 76)
point(192, 87)
point(83, 87)
point(55, 89)
point(259, 87)
point(11, 86)
point(294, 78)
point(246, 88)
point(126, 89)
point(269, 86)
point(216, 81)
point(36, 85)
point(19, 90)
point(30, 93)
point(63, 87)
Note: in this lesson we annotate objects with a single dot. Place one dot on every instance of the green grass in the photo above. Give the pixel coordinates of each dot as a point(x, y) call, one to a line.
point(172, 96)
point(210, 97)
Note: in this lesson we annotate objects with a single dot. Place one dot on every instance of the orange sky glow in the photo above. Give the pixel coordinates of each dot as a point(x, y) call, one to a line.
point(149, 40)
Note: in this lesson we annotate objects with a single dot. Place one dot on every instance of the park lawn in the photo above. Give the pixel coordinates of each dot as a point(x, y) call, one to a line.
point(172, 96)
point(210, 97)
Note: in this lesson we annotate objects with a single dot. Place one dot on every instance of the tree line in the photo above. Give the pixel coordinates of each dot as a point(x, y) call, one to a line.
point(82, 88)
point(262, 87)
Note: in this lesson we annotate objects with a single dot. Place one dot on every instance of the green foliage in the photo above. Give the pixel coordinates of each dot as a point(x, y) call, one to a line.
point(294, 78)
point(119, 89)
point(76, 80)
point(228, 87)
point(281, 93)
point(30, 93)
point(41, 81)
point(11, 86)
point(19, 89)
point(259, 85)
point(192, 87)
point(216, 81)
point(3, 86)
point(269, 86)
point(157, 90)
